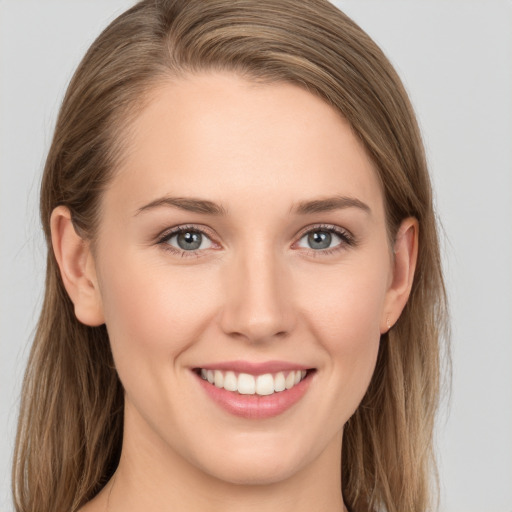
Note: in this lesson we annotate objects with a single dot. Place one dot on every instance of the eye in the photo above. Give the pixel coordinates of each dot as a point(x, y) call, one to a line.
point(326, 239)
point(186, 239)
point(321, 240)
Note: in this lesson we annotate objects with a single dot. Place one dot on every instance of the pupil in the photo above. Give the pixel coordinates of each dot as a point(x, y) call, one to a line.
point(319, 239)
point(189, 240)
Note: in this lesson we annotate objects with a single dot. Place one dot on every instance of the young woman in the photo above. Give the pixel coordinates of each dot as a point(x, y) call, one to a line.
point(244, 297)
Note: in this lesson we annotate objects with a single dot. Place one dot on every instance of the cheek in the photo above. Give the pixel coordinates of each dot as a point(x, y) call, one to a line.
point(345, 319)
point(152, 313)
point(347, 301)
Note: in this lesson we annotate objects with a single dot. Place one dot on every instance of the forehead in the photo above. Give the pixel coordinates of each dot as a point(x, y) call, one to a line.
point(241, 143)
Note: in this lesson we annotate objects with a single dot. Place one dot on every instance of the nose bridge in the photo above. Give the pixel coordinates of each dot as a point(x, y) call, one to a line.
point(258, 306)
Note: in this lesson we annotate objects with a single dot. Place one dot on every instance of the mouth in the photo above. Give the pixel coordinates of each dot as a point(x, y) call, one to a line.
point(255, 391)
point(247, 384)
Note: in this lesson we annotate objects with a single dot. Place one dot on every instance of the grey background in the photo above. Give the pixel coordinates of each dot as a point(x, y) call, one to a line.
point(455, 58)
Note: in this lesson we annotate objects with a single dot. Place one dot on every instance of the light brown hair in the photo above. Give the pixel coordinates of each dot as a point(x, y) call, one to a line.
point(70, 427)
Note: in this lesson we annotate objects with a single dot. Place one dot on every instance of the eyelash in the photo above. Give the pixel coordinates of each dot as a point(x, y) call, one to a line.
point(347, 240)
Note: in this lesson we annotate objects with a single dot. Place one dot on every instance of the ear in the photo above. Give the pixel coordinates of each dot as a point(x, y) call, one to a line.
point(404, 265)
point(77, 268)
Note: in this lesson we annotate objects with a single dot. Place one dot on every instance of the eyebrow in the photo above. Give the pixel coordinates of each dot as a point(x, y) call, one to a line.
point(196, 205)
point(328, 204)
point(189, 204)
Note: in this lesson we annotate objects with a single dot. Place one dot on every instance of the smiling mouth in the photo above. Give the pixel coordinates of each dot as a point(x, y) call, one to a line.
point(247, 384)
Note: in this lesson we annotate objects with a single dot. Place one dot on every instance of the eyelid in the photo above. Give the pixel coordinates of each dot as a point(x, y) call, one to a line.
point(326, 227)
point(169, 232)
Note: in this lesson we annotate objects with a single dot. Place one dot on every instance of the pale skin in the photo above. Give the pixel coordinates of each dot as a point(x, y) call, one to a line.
point(254, 290)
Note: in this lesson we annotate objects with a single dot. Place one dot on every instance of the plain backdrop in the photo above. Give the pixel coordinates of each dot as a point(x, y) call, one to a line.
point(455, 58)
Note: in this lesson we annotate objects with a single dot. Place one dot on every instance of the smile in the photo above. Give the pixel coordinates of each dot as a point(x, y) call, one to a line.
point(255, 391)
point(247, 384)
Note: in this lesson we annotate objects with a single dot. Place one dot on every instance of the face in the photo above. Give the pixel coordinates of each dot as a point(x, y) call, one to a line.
point(243, 242)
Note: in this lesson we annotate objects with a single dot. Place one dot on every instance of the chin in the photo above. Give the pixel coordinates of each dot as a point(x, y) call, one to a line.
point(258, 463)
point(255, 472)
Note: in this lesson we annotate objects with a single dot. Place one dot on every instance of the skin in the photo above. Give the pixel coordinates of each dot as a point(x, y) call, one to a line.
point(256, 290)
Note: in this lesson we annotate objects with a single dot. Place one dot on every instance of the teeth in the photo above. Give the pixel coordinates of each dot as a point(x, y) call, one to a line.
point(230, 381)
point(279, 382)
point(219, 378)
point(290, 380)
point(247, 384)
point(265, 384)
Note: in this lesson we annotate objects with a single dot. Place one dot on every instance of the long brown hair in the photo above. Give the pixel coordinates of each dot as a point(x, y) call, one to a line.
point(71, 420)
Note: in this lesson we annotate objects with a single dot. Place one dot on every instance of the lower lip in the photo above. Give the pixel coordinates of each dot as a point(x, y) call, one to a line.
point(256, 406)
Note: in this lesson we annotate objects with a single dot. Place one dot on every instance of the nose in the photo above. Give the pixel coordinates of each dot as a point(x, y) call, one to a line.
point(258, 306)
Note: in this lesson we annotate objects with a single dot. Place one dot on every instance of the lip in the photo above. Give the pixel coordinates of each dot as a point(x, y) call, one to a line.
point(255, 406)
point(239, 366)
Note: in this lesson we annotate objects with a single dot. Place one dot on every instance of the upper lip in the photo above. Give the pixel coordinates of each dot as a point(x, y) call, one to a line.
point(254, 368)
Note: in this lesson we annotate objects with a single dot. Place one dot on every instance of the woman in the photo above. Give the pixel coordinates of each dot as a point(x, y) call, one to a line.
point(244, 295)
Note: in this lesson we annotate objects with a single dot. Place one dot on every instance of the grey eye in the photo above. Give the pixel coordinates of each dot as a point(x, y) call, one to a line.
point(320, 239)
point(189, 240)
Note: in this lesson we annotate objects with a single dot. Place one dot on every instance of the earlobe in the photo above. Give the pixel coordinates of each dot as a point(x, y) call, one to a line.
point(404, 266)
point(77, 268)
